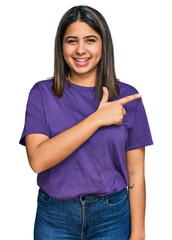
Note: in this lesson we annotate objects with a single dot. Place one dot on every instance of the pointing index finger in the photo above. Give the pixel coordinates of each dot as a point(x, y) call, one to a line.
point(129, 98)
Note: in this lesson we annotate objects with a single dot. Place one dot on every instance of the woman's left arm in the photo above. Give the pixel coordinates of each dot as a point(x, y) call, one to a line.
point(137, 193)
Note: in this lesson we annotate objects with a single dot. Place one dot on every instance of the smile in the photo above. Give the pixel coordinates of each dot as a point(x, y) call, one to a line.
point(81, 62)
point(81, 59)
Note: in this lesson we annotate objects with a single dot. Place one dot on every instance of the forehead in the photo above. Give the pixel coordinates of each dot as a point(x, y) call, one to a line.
point(80, 29)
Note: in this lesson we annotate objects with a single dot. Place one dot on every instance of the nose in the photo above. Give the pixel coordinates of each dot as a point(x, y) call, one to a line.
point(80, 48)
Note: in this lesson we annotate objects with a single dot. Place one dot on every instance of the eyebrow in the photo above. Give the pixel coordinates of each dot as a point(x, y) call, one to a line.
point(84, 37)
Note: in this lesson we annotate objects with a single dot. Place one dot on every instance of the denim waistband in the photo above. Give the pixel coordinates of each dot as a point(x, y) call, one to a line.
point(93, 197)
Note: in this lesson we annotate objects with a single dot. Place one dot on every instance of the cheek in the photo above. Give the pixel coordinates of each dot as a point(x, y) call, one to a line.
point(67, 51)
point(97, 52)
point(98, 55)
point(65, 57)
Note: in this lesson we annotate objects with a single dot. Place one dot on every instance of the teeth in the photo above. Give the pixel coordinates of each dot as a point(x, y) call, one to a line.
point(81, 60)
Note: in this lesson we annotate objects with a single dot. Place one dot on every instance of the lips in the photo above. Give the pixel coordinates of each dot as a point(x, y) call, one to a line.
point(81, 62)
point(81, 59)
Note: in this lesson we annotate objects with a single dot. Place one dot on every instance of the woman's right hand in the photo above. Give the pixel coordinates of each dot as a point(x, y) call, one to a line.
point(109, 113)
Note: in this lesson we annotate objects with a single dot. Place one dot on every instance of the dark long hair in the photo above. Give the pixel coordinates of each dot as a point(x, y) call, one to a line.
point(106, 71)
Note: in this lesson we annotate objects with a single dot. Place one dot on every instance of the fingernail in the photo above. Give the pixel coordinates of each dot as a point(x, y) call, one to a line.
point(104, 89)
point(139, 95)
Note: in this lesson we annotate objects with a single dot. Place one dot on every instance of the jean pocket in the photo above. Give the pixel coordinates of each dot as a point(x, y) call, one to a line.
point(117, 198)
point(43, 196)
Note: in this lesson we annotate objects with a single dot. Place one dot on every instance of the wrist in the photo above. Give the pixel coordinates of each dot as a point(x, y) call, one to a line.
point(133, 238)
point(137, 237)
point(97, 119)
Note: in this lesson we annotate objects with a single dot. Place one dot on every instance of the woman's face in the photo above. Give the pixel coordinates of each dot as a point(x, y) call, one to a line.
point(82, 48)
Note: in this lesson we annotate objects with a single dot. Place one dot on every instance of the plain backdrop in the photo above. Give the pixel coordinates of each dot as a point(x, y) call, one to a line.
point(141, 32)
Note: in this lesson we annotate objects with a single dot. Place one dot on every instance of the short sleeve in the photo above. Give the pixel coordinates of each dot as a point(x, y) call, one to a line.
point(139, 135)
point(35, 119)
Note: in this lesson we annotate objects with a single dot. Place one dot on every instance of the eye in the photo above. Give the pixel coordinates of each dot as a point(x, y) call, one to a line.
point(71, 41)
point(91, 40)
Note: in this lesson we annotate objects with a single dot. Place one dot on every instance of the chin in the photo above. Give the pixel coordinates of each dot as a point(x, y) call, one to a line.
point(81, 71)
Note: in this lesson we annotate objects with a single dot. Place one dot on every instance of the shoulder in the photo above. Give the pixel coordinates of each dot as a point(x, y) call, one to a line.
point(126, 89)
point(40, 90)
point(42, 85)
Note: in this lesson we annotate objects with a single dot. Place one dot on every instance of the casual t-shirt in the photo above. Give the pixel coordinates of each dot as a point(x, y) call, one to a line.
point(99, 165)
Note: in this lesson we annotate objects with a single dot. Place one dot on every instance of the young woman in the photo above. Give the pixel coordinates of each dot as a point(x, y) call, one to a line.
point(85, 134)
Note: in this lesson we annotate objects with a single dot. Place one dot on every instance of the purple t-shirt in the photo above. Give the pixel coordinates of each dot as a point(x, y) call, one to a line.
point(99, 165)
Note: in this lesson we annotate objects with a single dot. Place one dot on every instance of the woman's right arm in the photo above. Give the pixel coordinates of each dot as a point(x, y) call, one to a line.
point(44, 152)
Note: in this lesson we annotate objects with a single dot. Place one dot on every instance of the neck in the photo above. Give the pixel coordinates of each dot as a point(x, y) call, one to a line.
point(83, 79)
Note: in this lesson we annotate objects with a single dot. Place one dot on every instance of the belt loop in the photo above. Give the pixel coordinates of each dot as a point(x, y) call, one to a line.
point(103, 198)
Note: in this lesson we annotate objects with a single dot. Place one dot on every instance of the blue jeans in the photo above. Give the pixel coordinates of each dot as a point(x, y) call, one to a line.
point(87, 217)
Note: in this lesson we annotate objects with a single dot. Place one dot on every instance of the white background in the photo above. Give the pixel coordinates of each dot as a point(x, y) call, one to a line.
point(141, 32)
